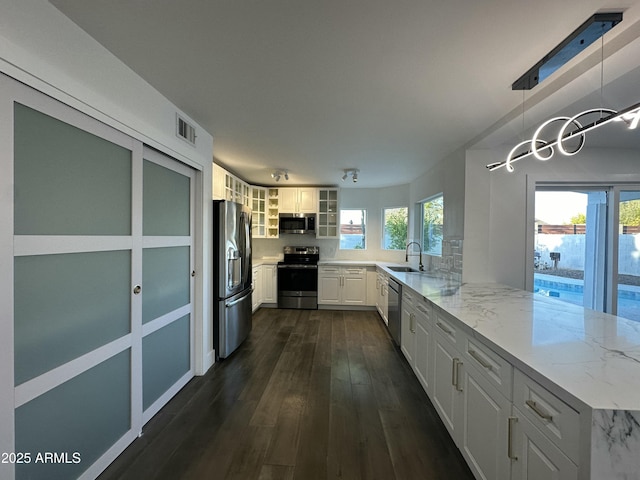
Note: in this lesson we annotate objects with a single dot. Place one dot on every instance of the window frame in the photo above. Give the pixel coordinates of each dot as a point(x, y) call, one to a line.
point(364, 225)
point(384, 228)
point(431, 251)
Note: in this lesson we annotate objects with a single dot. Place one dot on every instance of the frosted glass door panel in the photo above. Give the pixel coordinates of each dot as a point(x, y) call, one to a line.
point(67, 305)
point(86, 414)
point(166, 278)
point(166, 201)
point(166, 357)
point(68, 181)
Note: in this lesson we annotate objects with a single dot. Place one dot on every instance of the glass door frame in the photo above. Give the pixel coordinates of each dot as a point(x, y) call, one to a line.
point(611, 268)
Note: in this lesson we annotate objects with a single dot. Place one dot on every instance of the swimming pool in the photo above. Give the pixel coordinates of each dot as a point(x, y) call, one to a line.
point(572, 291)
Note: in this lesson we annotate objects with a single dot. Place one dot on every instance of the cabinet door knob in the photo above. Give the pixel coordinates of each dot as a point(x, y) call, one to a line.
point(137, 289)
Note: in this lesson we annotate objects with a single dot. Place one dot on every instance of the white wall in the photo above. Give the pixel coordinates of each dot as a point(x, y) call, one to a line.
point(373, 200)
point(45, 50)
point(448, 178)
point(499, 209)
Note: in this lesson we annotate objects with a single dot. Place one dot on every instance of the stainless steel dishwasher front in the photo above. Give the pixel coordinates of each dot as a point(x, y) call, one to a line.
point(395, 311)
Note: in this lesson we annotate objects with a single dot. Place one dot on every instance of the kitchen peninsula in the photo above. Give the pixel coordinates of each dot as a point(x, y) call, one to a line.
point(552, 386)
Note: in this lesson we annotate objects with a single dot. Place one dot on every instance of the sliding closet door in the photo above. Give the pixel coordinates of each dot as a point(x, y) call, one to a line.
point(167, 266)
point(102, 288)
point(73, 266)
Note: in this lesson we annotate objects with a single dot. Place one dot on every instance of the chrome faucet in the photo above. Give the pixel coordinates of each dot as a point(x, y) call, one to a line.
point(406, 257)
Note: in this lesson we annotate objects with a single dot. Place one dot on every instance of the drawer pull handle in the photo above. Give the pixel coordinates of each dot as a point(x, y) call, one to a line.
point(422, 309)
point(480, 360)
point(539, 411)
point(444, 328)
point(512, 422)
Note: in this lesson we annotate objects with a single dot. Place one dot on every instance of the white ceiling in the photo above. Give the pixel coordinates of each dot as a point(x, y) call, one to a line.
point(315, 87)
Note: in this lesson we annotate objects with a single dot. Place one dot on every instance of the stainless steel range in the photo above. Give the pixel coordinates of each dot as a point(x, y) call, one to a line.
point(298, 278)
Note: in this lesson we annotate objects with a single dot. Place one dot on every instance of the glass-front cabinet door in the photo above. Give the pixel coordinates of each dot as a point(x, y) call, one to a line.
point(258, 212)
point(327, 221)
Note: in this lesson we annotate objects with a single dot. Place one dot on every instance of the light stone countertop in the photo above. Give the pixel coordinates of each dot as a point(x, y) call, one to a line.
point(347, 263)
point(592, 356)
point(256, 262)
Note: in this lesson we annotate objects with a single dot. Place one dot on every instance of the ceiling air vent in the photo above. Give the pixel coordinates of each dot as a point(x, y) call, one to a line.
point(185, 130)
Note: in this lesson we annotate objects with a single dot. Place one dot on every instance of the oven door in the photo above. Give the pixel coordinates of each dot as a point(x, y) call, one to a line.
point(297, 286)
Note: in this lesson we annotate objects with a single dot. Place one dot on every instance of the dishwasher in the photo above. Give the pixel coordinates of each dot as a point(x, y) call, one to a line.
point(395, 311)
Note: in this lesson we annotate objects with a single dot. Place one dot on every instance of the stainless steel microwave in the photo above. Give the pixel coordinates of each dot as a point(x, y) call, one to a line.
point(297, 223)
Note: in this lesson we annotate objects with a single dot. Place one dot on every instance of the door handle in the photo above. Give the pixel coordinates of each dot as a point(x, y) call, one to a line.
point(455, 374)
point(235, 302)
point(511, 422)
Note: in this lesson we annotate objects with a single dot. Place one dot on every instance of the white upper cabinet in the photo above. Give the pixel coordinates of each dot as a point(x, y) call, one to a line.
point(327, 221)
point(298, 200)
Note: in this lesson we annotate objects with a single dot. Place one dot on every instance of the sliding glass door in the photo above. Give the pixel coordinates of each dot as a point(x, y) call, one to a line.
point(587, 247)
point(628, 265)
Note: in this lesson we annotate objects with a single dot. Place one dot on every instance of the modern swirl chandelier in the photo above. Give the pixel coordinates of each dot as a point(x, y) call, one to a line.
point(571, 128)
point(571, 134)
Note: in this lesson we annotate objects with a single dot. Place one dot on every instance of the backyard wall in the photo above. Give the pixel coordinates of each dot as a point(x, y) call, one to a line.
point(572, 247)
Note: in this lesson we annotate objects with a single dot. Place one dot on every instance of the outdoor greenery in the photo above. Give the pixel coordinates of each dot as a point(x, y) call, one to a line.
point(579, 219)
point(395, 228)
point(432, 221)
point(629, 214)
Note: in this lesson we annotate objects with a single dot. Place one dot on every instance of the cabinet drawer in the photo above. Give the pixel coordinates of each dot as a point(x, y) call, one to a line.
point(445, 327)
point(354, 270)
point(327, 269)
point(423, 311)
point(555, 418)
point(408, 299)
point(492, 366)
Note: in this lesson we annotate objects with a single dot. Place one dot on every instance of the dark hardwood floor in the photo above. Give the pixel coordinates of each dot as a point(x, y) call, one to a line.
point(310, 395)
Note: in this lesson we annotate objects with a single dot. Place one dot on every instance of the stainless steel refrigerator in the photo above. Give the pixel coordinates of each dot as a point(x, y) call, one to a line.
point(232, 276)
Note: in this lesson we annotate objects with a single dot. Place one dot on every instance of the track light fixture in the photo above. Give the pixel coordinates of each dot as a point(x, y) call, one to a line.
point(350, 171)
point(278, 174)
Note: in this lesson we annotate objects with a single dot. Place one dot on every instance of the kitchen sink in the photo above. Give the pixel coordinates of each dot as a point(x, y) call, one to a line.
point(402, 269)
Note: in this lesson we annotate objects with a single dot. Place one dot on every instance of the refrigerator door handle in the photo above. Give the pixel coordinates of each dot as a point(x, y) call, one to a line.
point(236, 301)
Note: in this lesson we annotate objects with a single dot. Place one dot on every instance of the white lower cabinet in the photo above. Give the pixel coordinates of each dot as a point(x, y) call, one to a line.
point(423, 334)
point(538, 458)
point(446, 387)
point(483, 432)
point(342, 285)
point(382, 302)
point(507, 426)
point(474, 412)
point(408, 329)
point(269, 284)
point(256, 287)
point(264, 285)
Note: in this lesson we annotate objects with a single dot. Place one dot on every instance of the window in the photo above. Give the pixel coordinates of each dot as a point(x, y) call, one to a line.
point(432, 221)
point(394, 222)
point(353, 229)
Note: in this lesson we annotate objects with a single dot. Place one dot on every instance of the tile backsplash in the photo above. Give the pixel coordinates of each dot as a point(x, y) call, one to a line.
point(450, 263)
